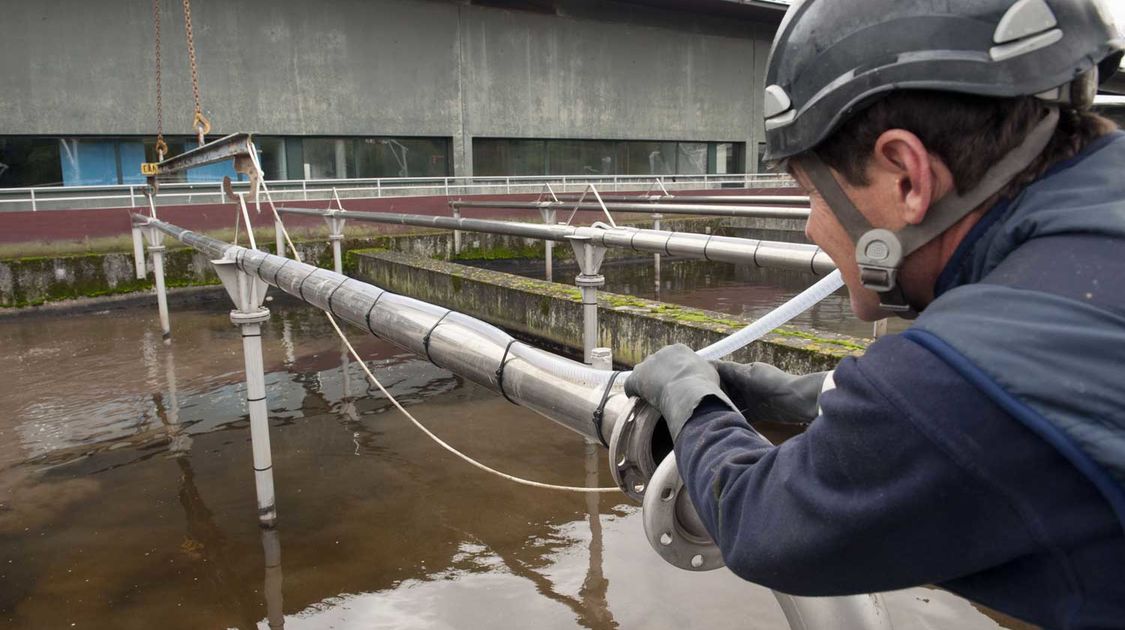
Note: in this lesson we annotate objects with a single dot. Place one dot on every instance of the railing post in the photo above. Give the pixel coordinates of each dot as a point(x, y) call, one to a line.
point(508, 184)
point(447, 187)
point(305, 189)
point(248, 292)
point(590, 259)
point(379, 187)
point(34, 208)
point(132, 199)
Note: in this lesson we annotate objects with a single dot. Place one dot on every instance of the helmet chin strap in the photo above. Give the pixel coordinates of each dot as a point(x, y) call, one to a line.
point(880, 253)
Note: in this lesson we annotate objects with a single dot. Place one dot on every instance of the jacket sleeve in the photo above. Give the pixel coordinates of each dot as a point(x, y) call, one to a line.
point(865, 500)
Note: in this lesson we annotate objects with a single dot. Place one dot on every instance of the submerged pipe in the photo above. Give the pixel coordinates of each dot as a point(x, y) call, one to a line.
point(728, 249)
point(712, 210)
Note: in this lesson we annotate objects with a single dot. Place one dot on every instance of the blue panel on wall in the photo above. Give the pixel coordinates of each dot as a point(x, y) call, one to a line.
point(88, 162)
point(132, 156)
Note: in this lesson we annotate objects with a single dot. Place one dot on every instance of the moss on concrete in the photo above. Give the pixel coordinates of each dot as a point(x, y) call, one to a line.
point(632, 326)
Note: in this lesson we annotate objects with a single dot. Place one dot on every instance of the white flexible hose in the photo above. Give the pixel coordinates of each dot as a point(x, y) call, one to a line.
point(778, 316)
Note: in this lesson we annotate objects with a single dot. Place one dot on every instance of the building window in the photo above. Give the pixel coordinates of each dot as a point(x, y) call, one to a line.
point(366, 157)
point(98, 161)
point(502, 157)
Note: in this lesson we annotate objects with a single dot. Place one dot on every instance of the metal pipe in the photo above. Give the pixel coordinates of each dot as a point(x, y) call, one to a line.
point(781, 200)
point(248, 292)
point(549, 246)
point(713, 210)
point(279, 238)
point(463, 345)
point(740, 251)
point(156, 250)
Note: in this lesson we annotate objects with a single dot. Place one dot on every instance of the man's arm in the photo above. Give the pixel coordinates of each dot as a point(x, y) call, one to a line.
point(865, 500)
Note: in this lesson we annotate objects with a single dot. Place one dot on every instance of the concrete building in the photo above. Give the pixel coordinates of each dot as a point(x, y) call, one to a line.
point(386, 88)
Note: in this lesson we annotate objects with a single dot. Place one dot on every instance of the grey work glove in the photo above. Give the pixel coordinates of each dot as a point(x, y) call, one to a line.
point(762, 392)
point(675, 380)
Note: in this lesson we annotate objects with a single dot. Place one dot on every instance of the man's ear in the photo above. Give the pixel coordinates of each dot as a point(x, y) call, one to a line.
point(917, 177)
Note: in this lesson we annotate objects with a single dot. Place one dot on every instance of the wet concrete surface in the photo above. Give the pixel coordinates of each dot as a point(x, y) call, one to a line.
point(127, 495)
point(731, 289)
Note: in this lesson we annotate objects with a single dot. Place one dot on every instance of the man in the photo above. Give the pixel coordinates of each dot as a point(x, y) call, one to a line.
point(955, 172)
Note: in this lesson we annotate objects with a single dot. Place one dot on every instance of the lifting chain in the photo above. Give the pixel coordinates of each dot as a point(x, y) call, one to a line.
point(161, 146)
point(199, 122)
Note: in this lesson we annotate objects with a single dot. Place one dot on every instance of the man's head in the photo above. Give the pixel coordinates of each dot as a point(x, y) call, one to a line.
point(914, 116)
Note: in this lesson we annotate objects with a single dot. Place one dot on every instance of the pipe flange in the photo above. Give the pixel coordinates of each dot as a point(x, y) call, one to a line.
point(630, 448)
point(595, 280)
point(239, 318)
point(672, 525)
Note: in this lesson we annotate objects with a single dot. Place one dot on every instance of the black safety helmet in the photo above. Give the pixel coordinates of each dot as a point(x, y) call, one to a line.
point(832, 58)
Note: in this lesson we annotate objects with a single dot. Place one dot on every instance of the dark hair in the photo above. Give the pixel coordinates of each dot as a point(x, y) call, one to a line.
point(969, 133)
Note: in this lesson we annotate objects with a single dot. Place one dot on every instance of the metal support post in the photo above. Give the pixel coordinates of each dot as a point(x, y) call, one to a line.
point(590, 259)
point(279, 238)
point(336, 235)
point(880, 328)
point(156, 249)
point(656, 257)
point(456, 234)
point(248, 292)
point(549, 219)
point(139, 250)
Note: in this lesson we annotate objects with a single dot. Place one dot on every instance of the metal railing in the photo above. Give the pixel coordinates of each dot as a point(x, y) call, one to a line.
point(47, 198)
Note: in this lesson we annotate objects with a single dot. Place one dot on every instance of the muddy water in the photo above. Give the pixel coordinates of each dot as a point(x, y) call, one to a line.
point(748, 293)
point(127, 500)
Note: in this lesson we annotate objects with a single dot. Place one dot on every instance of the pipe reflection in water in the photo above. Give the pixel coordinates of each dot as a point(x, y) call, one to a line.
point(271, 584)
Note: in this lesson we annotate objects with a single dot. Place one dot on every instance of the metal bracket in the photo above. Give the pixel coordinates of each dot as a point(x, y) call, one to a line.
point(232, 147)
point(590, 188)
point(248, 292)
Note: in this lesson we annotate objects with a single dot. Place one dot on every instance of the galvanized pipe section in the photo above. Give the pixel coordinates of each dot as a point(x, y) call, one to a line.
point(472, 349)
point(727, 249)
point(712, 210)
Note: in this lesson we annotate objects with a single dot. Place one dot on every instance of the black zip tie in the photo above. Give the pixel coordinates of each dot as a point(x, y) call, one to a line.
point(368, 317)
point(500, 372)
point(426, 339)
point(330, 295)
point(301, 287)
point(276, 273)
point(599, 413)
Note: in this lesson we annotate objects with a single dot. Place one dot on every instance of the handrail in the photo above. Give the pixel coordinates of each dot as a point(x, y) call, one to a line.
point(46, 198)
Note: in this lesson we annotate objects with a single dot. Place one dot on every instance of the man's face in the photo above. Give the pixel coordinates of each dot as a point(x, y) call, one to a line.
point(825, 230)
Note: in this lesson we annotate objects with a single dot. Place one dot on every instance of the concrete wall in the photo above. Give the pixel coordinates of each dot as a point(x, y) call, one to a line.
point(386, 67)
point(552, 313)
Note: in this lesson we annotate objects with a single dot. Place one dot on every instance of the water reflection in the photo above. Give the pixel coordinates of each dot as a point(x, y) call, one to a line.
point(138, 511)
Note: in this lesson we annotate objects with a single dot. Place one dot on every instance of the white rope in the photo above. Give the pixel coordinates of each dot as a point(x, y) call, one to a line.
point(375, 381)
